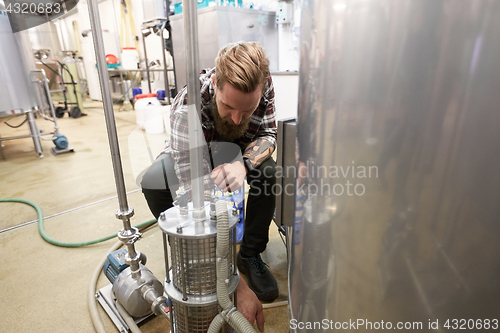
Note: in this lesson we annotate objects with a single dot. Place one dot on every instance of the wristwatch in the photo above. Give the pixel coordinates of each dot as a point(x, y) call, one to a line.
point(248, 165)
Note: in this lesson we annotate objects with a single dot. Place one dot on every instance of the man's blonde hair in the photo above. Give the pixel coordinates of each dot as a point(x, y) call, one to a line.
point(243, 65)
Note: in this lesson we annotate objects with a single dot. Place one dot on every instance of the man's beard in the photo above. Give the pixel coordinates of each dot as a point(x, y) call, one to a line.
point(226, 126)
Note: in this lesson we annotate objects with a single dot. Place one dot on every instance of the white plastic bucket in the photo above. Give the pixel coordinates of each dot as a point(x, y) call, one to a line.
point(140, 109)
point(153, 119)
point(130, 58)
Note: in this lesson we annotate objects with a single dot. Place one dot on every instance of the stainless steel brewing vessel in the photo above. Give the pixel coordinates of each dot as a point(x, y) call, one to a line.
point(398, 195)
point(17, 94)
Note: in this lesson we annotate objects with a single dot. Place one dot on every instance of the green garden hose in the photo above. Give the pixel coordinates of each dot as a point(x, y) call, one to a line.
point(64, 244)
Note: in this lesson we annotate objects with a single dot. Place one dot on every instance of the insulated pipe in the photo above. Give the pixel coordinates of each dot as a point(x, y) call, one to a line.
point(108, 108)
point(196, 138)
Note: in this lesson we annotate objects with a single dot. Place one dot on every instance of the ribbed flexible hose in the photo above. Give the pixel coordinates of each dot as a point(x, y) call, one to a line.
point(239, 322)
point(222, 253)
point(216, 324)
point(233, 317)
point(41, 229)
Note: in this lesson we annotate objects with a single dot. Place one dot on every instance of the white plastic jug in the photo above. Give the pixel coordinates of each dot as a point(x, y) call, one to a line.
point(130, 58)
point(153, 119)
point(142, 107)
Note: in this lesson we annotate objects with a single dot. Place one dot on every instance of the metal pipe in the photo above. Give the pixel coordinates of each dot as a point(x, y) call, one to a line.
point(146, 61)
point(165, 73)
point(173, 59)
point(165, 250)
point(235, 255)
point(35, 133)
point(49, 99)
point(183, 275)
point(196, 139)
point(108, 108)
point(171, 312)
point(23, 136)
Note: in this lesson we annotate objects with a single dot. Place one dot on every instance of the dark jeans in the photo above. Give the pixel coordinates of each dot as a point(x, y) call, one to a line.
point(160, 181)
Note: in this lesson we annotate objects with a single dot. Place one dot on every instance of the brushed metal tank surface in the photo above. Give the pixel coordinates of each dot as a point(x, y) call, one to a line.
point(397, 218)
point(44, 37)
point(218, 26)
point(17, 94)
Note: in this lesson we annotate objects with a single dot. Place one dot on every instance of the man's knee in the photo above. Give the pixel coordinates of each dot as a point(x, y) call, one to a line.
point(160, 175)
point(267, 171)
point(158, 200)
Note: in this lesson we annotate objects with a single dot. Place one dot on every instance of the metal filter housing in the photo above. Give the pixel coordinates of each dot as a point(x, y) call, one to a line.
point(191, 284)
point(193, 249)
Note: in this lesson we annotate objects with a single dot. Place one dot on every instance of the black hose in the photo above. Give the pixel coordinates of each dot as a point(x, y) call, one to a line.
point(16, 126)
point(57, 73)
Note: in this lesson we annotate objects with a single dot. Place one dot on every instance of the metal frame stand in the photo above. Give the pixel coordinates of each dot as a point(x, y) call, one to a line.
point(162, 23)
point(107, 300)
point(36, 134)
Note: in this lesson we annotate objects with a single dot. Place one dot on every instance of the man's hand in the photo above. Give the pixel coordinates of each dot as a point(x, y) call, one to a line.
point(249, 305)
point(229, 176)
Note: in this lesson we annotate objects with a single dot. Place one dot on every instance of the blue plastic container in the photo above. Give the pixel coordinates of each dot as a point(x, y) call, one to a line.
point(178, 8)
point(202, 3)
point(238, 200)
point(136, 91)
point(161, 94)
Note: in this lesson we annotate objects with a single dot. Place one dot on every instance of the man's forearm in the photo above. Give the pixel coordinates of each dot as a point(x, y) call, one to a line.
point(258, 151)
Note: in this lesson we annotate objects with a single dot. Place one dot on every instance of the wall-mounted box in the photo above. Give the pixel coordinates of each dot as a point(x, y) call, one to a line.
point(284, 13)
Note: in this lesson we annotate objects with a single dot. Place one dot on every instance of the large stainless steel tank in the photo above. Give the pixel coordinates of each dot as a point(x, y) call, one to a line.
point(398, 211)
point(44, 38)
point(17, 94)
point(220, 25)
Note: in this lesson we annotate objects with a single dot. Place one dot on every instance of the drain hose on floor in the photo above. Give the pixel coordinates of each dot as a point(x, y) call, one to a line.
point(64, 244)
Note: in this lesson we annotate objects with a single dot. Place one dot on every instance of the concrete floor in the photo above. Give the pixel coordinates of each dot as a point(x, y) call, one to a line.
point(44, 287)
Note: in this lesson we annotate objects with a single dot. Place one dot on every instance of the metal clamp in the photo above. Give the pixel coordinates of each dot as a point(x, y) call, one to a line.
point(135, 260)
point(158, 302)
point(228, 313)
point(124, 215)
point(130, 236)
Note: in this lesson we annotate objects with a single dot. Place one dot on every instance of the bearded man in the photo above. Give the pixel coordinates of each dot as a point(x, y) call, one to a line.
point(237, 106)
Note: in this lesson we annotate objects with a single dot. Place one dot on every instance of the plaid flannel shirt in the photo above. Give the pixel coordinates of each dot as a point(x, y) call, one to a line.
point(262, 125)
